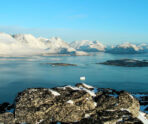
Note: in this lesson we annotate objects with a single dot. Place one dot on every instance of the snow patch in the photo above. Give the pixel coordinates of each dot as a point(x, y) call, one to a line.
point(88, 91)
point(70, 102)
point(39, 121)
point(80, 88)
point(55, 93)
point(95, 104)
point(87, 116)
point(142, 117)
point(87, 86)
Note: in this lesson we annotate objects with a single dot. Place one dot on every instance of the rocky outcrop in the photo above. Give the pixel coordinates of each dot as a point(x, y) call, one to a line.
point(60, 64)
point(82, 104)
point(127, 63)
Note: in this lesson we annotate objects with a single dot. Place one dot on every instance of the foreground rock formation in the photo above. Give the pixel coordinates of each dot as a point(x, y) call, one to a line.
point(127, 63)
point(81, 104)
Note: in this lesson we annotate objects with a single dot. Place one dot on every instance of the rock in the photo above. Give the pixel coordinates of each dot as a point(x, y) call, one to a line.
point(61, 64)
point(126, 63)
point(117, 117)
point(7, 118)
point(73, 105)
point(42, 105)
point(128, 102)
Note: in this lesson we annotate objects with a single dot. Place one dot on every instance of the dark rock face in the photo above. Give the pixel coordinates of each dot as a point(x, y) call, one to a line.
point(126, 63)
point(82, 104)
point(6, 107)
point(61, 64)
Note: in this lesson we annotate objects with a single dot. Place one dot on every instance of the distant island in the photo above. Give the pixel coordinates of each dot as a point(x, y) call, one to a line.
point(126, 63)
point(60, 64)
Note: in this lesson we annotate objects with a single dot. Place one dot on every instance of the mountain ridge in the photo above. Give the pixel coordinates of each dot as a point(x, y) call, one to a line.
point(27, 44)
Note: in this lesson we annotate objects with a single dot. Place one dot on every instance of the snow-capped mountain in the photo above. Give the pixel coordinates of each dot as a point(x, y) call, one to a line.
point(29, 40)
point(57, 45)
point(88, 46)
point(144, 46)
point(27, 44)
point(6, 38)
point(126, 48)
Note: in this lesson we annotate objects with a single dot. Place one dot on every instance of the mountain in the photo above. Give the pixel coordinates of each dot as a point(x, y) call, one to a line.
point(57, 45)
point(27, 44)
point(29, 40)
point(144, 46)
point(6, 38)
point(126, 48)
point(88, 46)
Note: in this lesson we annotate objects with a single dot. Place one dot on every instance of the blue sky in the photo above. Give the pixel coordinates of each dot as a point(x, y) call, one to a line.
point(105, 20)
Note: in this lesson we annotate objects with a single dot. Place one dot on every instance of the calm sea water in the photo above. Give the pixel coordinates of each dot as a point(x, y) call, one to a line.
point(19, 73)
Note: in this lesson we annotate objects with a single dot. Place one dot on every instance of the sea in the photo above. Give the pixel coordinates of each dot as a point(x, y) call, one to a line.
point(19, 73)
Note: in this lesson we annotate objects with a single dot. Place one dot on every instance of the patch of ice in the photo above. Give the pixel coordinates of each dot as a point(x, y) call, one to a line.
point(55, 93)
point(70, 102)
point(142, 117)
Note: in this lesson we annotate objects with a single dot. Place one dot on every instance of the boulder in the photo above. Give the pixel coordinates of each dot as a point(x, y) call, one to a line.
point(82, 104)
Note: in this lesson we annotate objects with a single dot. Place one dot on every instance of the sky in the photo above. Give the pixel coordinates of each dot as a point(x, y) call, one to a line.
point(109, 21)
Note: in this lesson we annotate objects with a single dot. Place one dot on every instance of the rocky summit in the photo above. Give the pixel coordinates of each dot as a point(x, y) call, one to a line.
point(80, 104)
